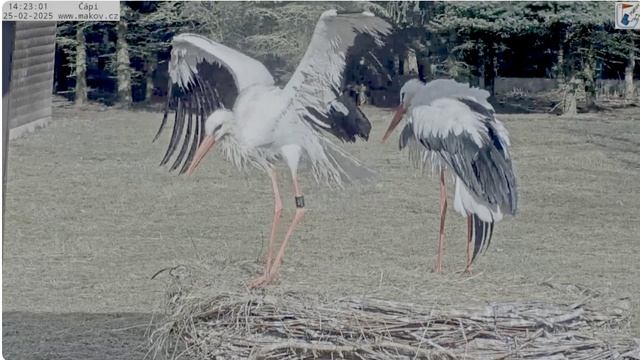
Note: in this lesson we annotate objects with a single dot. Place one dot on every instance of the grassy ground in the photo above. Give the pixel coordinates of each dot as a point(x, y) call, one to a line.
point(90, 217)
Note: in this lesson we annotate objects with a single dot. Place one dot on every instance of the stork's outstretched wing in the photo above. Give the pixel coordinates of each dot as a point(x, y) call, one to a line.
point(317, 81)
point(204, 76)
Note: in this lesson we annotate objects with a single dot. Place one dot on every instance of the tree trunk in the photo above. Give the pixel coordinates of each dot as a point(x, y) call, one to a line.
point(490, 70)
point(589, 75)
point(123, 65)
point(410, 63)
point(560, 65)
point(81, 67)
point(629, 93)
point(482, 68)
point(396, 65)
point(150, 69)
point(569, 103)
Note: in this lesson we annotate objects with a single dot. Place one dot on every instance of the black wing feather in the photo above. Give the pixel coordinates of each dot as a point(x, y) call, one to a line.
point(164, 117)
point(486, 171)
point(353, 124)
point(203, 92)
point(196, 137)
point(175, 134)
point(347, 126)
point(203, 119)
point(482, 233)
point(185, 143)
point(405, 136)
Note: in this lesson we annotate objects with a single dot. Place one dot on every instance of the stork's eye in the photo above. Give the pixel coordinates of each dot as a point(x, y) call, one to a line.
point(217, 128)
point(401, 97)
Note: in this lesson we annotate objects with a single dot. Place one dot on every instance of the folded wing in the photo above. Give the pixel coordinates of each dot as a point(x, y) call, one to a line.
point(472, 145)
point(448, 88)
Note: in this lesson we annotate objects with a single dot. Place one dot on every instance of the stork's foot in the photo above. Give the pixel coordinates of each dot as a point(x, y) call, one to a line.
point(259, 282)
point(439, 269)
point(466, 271)
point(262, 280)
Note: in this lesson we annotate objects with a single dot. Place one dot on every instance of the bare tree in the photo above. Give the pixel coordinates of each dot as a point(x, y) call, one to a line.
point(81, 67)
point(123, 65)
point(589, 75)
point(570, 97)
point(629, 93)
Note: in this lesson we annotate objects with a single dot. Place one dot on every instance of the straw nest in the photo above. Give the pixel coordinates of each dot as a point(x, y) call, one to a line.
point(253, 325)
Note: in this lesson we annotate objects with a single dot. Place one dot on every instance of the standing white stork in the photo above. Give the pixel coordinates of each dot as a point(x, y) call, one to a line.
point(453, 126)
point(229, 98)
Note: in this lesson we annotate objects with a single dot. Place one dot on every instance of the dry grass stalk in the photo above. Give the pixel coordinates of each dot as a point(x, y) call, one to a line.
point(287, 326)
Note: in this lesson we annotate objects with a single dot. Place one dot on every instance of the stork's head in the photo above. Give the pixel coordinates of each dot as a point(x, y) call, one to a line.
point(407, 94)
point(216, 127)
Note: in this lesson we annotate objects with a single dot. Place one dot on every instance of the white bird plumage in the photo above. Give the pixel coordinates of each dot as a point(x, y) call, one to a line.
point(190, 49)
point(264, 122)
point(452, 126)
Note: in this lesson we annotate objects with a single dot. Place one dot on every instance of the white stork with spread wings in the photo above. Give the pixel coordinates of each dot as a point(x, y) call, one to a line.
point(453, 126)
point(226, 97)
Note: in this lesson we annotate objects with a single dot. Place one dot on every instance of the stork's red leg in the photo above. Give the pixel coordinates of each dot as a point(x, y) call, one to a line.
point(277, 214)
point(469, 233)
point(443, 213)
point(296, 220)
point(275, 265)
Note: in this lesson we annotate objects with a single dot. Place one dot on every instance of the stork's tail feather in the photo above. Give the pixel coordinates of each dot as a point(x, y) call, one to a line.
point(342, 168)
point(481, 235)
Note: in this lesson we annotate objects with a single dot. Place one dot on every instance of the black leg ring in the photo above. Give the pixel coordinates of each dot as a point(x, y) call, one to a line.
point(299, 202)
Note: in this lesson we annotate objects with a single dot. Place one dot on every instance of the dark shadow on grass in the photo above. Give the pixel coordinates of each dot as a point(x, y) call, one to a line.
point(88, 336)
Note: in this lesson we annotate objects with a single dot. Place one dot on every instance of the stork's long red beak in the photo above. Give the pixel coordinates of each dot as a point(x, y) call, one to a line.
point(203, 149)
point(400, 110)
